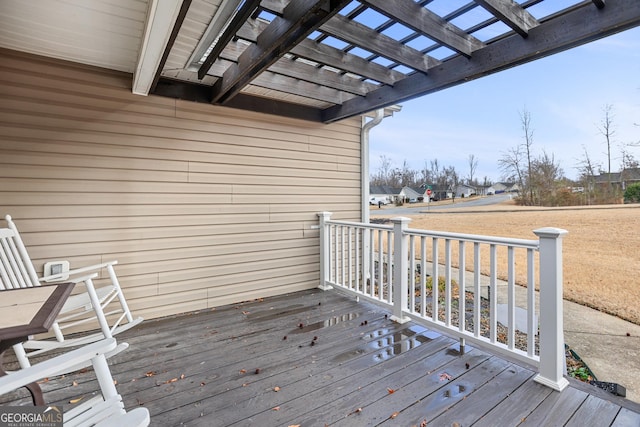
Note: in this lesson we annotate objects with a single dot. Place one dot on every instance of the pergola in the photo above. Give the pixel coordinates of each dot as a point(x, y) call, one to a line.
point(318, 60)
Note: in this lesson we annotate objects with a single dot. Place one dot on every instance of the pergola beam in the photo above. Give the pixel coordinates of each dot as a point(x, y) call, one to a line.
point(299, 19)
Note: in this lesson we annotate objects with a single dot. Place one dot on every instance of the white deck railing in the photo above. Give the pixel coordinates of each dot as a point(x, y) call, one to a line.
point(465, 285)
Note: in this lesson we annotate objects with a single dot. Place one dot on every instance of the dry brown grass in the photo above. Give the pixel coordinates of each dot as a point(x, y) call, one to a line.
point(601, 251)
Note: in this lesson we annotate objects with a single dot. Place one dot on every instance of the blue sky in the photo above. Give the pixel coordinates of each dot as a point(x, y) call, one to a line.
point(565, 95)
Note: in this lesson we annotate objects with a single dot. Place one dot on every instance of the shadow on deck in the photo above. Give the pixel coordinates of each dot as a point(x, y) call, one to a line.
point(316, 358)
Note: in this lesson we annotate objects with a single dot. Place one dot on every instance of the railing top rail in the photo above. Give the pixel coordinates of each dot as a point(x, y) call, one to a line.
point(475, 238)
point(360, 225)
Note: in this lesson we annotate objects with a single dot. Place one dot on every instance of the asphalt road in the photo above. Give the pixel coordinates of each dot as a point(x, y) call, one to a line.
point(410, 209)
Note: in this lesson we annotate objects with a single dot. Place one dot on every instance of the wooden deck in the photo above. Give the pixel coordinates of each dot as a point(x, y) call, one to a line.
point(317, 358)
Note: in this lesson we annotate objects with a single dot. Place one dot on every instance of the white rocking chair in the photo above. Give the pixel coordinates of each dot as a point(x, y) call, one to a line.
point(106, 409)
point(95, 304)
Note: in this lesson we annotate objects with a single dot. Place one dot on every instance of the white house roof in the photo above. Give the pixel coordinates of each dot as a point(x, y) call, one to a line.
point(320, 60)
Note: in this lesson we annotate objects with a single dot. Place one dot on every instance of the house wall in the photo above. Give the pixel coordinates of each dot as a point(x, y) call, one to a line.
point(201, 205)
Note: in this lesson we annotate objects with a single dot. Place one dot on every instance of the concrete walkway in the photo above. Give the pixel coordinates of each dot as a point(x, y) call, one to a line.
point(602, 343)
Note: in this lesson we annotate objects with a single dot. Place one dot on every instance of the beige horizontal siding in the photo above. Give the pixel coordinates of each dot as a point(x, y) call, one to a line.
point(200, 205)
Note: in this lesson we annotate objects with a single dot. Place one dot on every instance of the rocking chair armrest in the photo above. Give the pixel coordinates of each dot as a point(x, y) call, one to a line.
point(91, 268)
point(57, 364)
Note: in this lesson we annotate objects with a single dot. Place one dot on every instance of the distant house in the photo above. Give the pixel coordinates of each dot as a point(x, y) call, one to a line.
point(442, 192)
point(619, 180)
point(504, 187)
point(464, 190)
point(417, 193)
point(384, 192)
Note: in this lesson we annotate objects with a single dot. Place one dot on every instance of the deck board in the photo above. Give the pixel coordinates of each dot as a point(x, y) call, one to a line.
point(348, 365)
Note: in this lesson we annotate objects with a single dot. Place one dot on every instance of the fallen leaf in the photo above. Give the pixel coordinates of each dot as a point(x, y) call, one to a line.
point(182, 376)
point(246, 312)
point(390, 390)
point(423, 423)
point(245, 384)
point(150, 374)
point(243, 371)
point(172, 380)
point(115, 382)
point(276, 389)
point(294, 425)
point(76, 400)
point(257, 371)
point(444, 376)
point(395, 414)
point(75, 383)
point(277, 408)
point(202, 384)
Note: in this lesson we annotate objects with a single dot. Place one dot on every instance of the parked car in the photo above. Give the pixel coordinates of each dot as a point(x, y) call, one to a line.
point(378, 200)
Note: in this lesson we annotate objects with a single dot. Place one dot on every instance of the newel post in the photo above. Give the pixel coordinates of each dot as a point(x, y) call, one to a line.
point(400, 268)
point(552, 354)
point(325, 254)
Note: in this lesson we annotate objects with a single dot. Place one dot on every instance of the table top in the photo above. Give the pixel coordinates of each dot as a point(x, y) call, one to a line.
point(29, 311)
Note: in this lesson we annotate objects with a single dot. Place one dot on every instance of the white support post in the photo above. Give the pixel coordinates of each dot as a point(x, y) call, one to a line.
point(552, 354)
point(400, 269)
point(325, 250)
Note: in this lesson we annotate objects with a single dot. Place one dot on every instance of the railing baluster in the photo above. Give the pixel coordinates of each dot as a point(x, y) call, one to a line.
point(532, 327)
point(493, 293)
point(350, 257)
point(423, 276)
point(372, 263)
point(381, 268)
point(435, 279)
point(447, 278)
point(412, 273)
point(390, 267)
point(511, 298)
point(477, 297)
point(358, 278)
point(461, 286)
point(342, 255)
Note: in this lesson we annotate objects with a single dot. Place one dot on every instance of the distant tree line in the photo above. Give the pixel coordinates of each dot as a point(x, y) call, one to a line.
point(433, 173)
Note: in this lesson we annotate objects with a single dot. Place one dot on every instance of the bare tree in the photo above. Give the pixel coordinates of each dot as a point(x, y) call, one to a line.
point(525, 120)
point(587, 174)
point(510, 163)
point(473, 166)
point(384, 176)
point(606, 129)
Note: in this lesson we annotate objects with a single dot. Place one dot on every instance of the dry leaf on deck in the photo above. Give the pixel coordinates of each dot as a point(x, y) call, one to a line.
point(182, 376)
point(395, 414)
point(243, 371)
point(150, 374)
point(277, 408)
point(72, 401)
point(390, 390)
point(276, 388)
point(444, 376)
